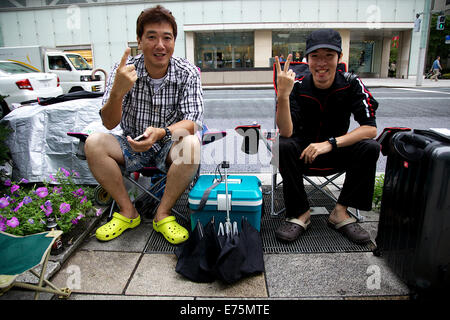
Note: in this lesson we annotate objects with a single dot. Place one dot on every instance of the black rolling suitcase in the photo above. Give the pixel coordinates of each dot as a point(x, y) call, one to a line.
point(414, 226)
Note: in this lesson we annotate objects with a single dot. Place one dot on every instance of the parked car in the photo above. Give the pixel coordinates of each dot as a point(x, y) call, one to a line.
point(19, 83)
point(74, 73)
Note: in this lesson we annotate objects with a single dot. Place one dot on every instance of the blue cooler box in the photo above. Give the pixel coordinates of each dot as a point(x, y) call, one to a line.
point(246, 200)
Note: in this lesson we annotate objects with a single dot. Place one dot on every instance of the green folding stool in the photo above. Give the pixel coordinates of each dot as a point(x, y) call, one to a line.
point(20, 254)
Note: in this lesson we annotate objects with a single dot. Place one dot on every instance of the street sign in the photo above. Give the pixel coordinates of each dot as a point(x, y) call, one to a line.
point(447, 39)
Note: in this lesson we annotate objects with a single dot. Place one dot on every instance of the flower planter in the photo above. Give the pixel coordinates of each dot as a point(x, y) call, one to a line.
point(74, 238)
point(60, 203)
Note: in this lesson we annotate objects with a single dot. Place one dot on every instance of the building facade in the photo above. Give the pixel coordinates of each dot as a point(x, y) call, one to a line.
point(232, 41)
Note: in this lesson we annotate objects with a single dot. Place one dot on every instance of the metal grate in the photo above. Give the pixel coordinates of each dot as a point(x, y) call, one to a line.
point(319, 238)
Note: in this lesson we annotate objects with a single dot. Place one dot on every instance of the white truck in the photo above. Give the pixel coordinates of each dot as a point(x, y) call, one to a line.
point(74, 73)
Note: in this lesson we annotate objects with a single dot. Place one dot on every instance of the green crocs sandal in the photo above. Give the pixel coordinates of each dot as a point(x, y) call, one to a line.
point(116, 226)
point(171, 230)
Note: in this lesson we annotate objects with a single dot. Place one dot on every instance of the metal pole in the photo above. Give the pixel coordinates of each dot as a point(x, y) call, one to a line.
point(425, 30)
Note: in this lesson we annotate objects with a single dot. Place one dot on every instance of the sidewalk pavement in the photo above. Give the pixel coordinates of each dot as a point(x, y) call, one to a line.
point(122, 269)
point(369, 82)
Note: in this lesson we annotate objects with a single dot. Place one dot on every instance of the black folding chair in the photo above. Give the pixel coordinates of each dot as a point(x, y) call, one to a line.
point(158, 178)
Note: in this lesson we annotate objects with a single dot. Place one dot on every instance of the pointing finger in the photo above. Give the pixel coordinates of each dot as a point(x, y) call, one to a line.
point(124, 59)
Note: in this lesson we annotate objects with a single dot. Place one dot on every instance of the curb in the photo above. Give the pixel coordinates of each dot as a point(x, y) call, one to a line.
point(62, 257)
point(367, 83)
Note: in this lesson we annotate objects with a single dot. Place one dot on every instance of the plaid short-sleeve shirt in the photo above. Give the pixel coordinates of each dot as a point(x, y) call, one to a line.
point(180, 97)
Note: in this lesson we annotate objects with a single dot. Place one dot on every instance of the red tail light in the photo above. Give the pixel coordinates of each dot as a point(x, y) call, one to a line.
point(24, 84)
point(57, 82)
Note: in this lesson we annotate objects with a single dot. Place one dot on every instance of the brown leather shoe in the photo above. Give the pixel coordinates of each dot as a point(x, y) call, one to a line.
point(291, 229)
point(351, 230)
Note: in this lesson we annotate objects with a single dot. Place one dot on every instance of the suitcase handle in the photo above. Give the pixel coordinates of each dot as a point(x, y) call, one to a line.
point(432, 135)
point(411, 147)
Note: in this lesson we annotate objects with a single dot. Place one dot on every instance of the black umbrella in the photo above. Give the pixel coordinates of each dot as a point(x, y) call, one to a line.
point(197, 256)
point(211, 247)
point(207, 255)
point(250, 239)
point(241, 253)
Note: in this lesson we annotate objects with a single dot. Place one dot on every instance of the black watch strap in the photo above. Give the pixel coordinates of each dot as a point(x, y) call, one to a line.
point(168, 135)
point(333, 142)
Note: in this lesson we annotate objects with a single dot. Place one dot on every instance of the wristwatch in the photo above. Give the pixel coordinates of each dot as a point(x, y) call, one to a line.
point(168, 135)
point(333, 143)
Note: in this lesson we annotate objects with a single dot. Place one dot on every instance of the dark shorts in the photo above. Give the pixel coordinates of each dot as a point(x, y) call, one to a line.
point(134, 161)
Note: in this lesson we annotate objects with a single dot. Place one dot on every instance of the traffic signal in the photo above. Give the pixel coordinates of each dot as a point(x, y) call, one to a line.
point(440, 25)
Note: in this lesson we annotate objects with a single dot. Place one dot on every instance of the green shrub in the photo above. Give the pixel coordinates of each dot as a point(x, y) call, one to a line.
point(378, 192)
point(4, 150)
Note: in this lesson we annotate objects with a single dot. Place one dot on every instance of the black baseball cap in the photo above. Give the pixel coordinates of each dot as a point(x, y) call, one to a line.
point(324, 38)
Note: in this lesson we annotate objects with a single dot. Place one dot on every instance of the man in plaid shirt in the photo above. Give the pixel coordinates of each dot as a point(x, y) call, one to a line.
point(158, 101)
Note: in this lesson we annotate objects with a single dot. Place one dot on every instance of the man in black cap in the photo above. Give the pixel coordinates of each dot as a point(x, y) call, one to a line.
point(313, 117)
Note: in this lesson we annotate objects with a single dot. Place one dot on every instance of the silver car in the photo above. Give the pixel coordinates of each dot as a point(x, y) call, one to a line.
point(19, 83)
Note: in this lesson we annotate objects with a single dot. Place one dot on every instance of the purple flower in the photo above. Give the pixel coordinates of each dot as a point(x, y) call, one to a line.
point(18, 206)
point(52, 178)
point(27, 200)
point(8, 183)
point(66, 173)
point(78, 193)
point(75, 174)
point(4, 202)
point(48, 203)
point(80, 216)
point(2, 226)
point(14, 188)
point(30, 221)
point(83, 200)
point(23, 180)
point(64, 208)
point(74, 221)
point(42, 192)
point(13, 222)
point(57, 189)
point(47, 210)
point(99, 212)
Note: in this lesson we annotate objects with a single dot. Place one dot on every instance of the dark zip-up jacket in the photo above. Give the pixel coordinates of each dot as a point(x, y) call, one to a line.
point(316, 119)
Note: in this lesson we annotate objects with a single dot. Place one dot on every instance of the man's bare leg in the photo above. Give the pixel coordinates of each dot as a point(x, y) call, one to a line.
point(104, 155)
point(338, 214)
point(184, 159)
point(304, 217)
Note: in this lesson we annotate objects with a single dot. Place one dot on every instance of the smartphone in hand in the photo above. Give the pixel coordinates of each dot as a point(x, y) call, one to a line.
point(139, 138)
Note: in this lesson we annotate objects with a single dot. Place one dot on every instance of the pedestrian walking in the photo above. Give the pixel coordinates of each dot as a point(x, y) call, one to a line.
point(436, 68)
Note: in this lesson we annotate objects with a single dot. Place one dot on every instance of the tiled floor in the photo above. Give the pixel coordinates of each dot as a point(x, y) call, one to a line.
point(124, 268)
point(121, 268)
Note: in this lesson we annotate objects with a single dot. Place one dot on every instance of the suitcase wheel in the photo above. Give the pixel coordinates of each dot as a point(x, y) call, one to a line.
point(377, 252)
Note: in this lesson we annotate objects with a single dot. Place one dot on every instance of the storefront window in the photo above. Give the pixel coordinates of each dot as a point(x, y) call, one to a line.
point(224, 50)
point(286, 42)
point(361, 54)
